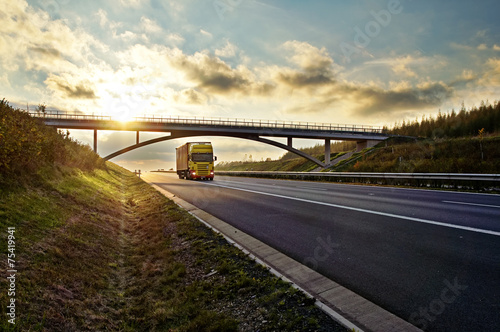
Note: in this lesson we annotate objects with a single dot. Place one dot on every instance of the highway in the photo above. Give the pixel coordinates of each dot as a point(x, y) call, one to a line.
point(430, 257)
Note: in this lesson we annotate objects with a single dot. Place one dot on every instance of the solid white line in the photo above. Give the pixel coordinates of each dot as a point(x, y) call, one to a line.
point(311, 188)
point(464, 203)
point(437, 223)
point(274, 186)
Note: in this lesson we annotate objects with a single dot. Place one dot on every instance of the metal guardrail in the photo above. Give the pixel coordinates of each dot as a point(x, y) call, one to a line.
point(160, 119)
point(368, 175)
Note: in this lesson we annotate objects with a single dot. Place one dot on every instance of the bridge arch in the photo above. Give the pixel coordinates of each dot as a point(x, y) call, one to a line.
point(175, 135)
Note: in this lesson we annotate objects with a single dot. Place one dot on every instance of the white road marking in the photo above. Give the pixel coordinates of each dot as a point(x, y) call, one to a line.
point(431, 222)
point(312, 188)
point(475, 204)
point(273, 185)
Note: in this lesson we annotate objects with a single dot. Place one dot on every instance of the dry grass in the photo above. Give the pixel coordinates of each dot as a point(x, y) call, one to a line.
point(104, 251)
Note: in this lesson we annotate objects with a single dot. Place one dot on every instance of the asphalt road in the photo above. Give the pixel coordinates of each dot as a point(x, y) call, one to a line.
point(430, 257)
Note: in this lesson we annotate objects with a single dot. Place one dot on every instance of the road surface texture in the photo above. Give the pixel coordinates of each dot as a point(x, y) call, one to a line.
point(430, 257)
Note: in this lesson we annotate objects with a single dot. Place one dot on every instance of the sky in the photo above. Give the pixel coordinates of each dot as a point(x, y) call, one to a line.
point(349, 62)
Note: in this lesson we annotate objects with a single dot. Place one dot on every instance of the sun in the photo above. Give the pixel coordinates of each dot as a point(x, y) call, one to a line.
point(121, 109)
point(123, 116)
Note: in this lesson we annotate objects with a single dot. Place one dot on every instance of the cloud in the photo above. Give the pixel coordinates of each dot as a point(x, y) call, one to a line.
point(313, 66)
point(482, 47)
point(213, 75)
point(315, 69)
point(150, 26)
point(297, 79)
point(467, 76)
point(492, 75)
point(401, 67)
point(372, 100)
point(37, 42)
point(81, 90)
point(308, 57)
point(153, 75)
point(406, 65)
point(132, 3)
point(102, 16)
point(461, 47)
point(48, 52)
point(206, 33)
point(190, 96)
point(174, 39)
point(228, 51)
point(365, 100)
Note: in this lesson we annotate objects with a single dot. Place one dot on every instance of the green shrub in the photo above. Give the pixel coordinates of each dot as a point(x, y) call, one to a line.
point(27, 146)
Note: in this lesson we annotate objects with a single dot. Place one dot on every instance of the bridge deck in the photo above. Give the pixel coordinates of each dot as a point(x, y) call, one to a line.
point(366, 136)
point(208, 126)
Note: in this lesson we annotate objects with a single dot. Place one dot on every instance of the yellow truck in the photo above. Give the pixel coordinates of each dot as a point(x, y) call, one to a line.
point(195, 160)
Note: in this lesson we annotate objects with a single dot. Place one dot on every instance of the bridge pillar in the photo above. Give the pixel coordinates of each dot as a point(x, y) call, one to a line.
point(137, 138)
point(289, 141)
point(95, 140)
point(360, 145)
point(327, 151)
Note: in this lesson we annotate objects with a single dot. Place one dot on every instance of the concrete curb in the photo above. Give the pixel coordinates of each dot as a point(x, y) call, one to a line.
point(343, 305)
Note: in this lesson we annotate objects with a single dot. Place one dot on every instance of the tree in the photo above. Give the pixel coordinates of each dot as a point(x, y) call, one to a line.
point(41, 108)
point(481, 132)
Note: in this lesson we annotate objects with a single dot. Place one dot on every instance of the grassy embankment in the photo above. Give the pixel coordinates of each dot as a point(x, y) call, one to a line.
point(290, 161)
point(464, 142)
point(452, 155)
point(456, 155)
point(99, 249)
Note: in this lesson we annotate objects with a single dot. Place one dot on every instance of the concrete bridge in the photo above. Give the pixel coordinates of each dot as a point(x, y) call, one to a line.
point(255, 130)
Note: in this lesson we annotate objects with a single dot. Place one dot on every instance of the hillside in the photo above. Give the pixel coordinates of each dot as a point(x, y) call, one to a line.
point(458, 155)
point(93, 247)
point(289, 161)
point(29, 149)
point(464, 142)
point(452, 155)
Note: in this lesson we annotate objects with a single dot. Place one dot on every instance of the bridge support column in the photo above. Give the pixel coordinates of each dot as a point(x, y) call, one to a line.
point(95, 140)
point(327, 151)
point(289, 141)
point(360, 145)
point(137, 138)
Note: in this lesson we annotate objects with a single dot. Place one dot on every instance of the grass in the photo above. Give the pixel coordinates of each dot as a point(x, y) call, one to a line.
point(458, 155)
point(96, 248)
point(102, 250)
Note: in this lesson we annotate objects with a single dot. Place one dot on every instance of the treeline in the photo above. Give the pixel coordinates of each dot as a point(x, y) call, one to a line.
point(453, 125)
point(27, 147)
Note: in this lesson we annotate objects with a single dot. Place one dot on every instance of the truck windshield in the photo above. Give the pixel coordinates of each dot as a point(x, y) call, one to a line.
point(203, 157)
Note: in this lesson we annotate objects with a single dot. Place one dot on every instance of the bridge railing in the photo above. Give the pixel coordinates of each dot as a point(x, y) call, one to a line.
point(223, 122)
